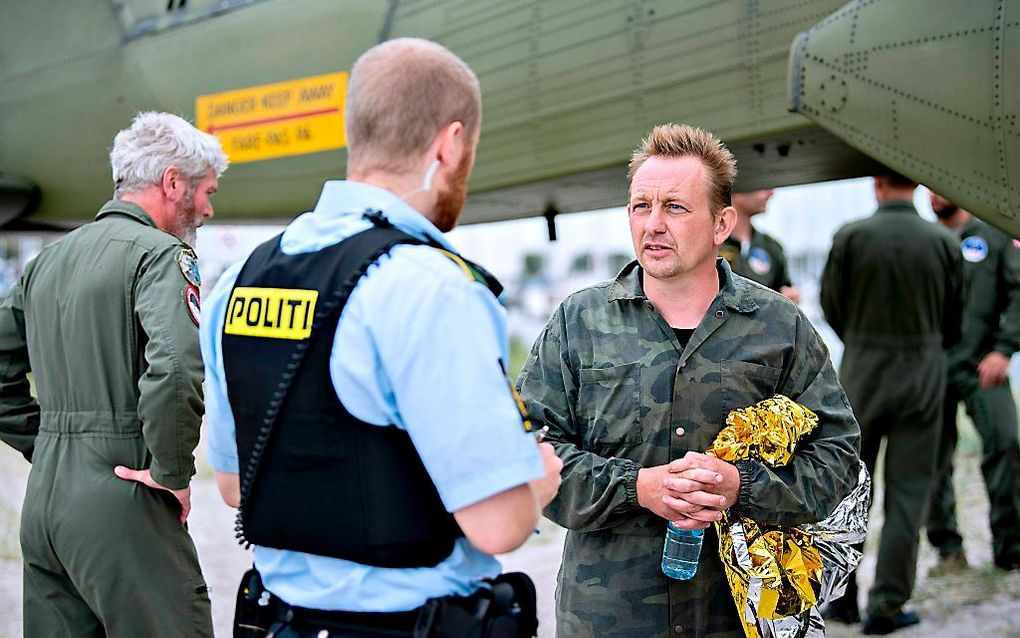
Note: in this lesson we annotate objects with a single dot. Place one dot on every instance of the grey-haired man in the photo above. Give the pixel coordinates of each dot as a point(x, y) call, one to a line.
point(106, 320)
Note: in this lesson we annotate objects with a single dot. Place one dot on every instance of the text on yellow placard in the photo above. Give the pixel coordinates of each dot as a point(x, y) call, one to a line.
point(275, 120)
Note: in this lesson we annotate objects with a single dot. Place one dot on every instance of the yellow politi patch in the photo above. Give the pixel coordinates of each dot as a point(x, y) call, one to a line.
point(273, 313)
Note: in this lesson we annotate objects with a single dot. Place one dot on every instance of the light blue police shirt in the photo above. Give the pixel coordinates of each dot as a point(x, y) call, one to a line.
point(418, 345)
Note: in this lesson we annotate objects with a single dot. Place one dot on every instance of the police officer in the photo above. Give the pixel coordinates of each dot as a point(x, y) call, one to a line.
point(892, 290)
point(106, 320)
point(359, 411)
point(978, 369)
point(754, 254)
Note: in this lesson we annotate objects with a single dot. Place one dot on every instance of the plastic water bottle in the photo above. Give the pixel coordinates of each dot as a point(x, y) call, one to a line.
point(681, 552)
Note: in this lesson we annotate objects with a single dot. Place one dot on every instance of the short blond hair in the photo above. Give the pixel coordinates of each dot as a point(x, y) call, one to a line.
point(681, 140)
point(399, 95)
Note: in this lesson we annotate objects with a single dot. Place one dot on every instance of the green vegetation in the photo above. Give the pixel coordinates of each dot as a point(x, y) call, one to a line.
point(518, 353)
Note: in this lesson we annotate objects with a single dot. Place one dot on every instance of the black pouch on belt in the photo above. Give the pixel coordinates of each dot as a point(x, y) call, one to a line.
point(507, 610)
point(254, 610)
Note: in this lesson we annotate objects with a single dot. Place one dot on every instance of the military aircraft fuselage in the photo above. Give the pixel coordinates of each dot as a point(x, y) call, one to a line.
point(569, 89)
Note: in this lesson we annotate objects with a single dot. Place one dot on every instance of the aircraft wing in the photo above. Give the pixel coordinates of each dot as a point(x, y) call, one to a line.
point(569, 89)
point(928, 87)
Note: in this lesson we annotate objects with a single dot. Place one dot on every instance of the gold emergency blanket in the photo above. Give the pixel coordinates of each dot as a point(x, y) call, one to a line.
point(779, 575)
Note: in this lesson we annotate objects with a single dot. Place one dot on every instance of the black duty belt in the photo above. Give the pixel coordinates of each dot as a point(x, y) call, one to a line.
point(400, 623)
point(504, 609)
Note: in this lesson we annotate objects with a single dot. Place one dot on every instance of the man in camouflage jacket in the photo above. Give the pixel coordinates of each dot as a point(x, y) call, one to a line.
point(635, 377)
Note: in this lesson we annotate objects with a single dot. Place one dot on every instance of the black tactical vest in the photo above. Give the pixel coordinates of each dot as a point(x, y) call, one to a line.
point(314, 478)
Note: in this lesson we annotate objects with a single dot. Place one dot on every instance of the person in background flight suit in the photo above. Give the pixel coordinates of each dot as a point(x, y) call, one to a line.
point(754, 254)
point(106, 319)
point(892, 290)
point(978, 376)
point(360, 327)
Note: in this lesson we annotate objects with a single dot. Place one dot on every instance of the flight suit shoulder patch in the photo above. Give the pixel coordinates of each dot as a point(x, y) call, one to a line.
point(730, 254)
point(760, 261)
point(975, 249)
point(193, 302)
point(187, 260)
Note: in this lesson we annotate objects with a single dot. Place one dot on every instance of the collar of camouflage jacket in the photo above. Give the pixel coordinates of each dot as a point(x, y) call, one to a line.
point(733, 292)
point(129, 209)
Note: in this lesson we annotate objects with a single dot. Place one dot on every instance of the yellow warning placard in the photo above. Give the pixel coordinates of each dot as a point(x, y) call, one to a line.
point(275, 120)
point(274, 313)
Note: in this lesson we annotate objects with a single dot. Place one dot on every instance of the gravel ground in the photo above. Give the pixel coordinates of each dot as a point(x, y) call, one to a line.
point(980, 603)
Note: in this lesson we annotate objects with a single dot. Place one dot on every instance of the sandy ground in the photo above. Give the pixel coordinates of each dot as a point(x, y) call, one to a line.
point(981, 603)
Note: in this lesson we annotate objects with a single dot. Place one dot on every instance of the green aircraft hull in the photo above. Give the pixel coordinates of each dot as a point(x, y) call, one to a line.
point(569, 87)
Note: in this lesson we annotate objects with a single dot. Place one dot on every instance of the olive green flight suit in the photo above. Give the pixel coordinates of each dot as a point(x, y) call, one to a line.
point(100, 318)
point(763, 261)
point(892, 290)
point(991, 322)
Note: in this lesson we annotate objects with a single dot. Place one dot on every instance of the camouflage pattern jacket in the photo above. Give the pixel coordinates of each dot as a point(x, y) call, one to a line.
point(608, 378)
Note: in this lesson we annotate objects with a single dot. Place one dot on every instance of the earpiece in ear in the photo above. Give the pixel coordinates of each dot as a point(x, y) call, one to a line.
point(430, 174)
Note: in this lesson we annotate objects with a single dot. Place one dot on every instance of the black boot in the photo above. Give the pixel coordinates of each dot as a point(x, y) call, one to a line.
point(844, 609)
point(881, 625)
point(1008, 563)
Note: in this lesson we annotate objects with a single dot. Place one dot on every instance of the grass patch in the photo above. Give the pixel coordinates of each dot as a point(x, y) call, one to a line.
point(518, 355)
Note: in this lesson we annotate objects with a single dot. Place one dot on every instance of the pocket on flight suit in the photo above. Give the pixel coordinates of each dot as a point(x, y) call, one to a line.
point(745, 384)
point(193, 605)
point(608, 399)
